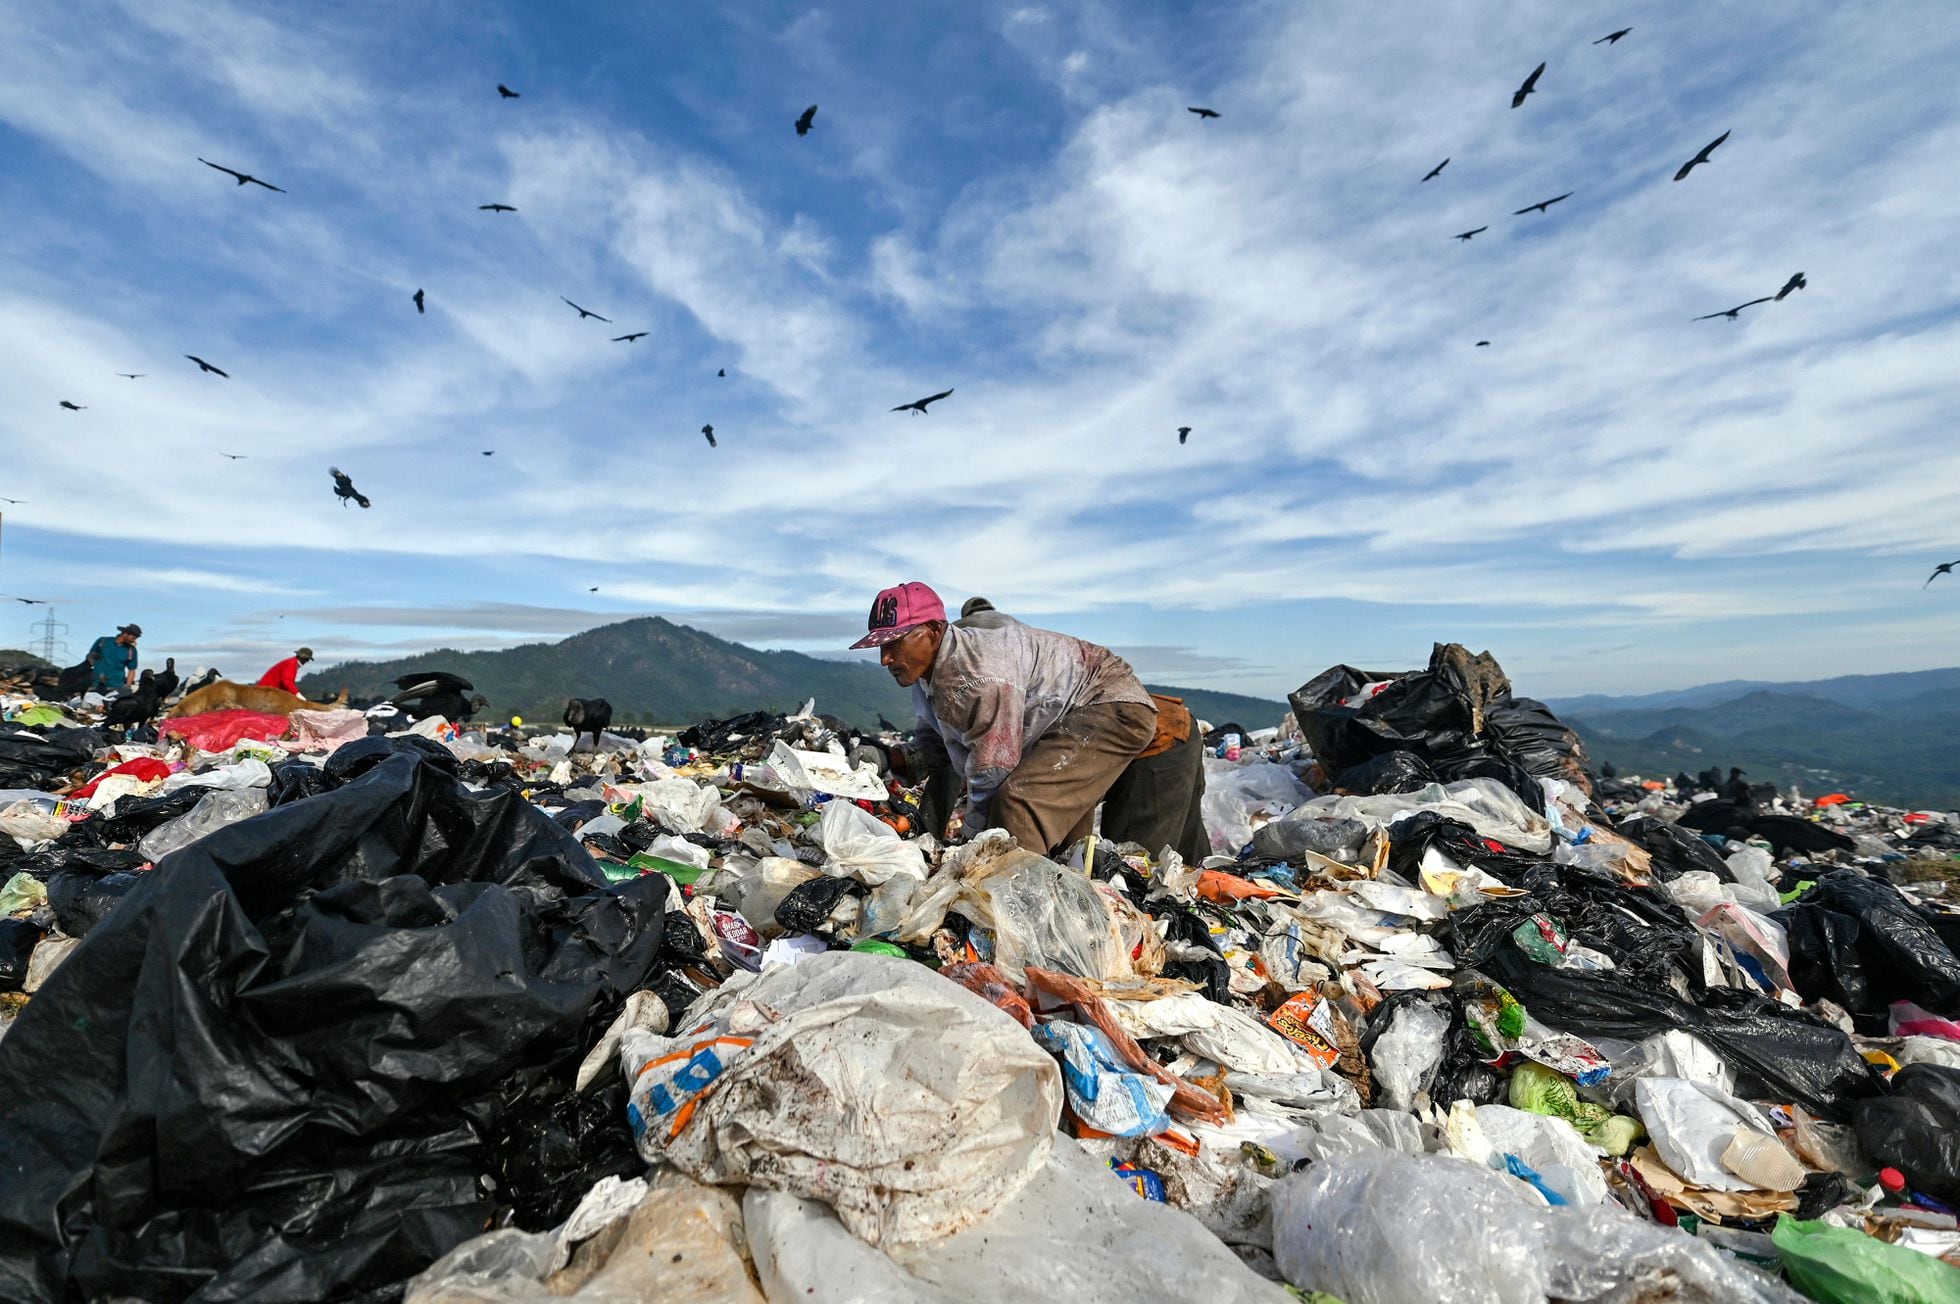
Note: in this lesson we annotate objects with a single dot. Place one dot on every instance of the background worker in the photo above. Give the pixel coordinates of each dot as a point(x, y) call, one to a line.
point(285, 674)
point(978, 613)
point(112, 659)
point(1041, 726)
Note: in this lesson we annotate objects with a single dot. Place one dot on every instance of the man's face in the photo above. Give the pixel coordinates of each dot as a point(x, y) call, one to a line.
point(127, 640)
point(909, 656)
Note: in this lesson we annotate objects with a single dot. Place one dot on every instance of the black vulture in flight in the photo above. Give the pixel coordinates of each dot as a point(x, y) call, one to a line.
point(1530, 86)
point(1734, 314)
point(920, 404)
point(1700, 158)
point(343, 488)
point(244, 178)
point(1543, 205)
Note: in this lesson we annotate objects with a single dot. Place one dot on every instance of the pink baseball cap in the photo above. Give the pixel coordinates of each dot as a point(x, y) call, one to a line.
point(896, 611)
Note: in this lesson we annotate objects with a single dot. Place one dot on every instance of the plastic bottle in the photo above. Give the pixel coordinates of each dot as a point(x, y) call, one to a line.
point(1893, 1183)
point(1232, 745)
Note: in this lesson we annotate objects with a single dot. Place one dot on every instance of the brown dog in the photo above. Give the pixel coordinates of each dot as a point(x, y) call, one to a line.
point(227, 696)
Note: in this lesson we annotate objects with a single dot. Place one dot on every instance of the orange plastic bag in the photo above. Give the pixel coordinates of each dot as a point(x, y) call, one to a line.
point(990, 984)
point(1218, 886)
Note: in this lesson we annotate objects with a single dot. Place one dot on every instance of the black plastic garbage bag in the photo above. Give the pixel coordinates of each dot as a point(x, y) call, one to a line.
point(1389, 772)
point(1778, 1053)
point(1436, 713)
point(1210, 972)
point(1332, 836)
point(1675, 850)
point(1457, 714)
point(1648, 938)
point(580, 813)
point(292, 780)
point(1463, 1074)
point(1215, 736)
point(32, 761)
point(552, 1143)
point(82, 900)
point(606, 844)
point(134, 817)
point(273, 1071)
point(1413, 836)
point(809, 903)
point(1857, 941)
point(18, 938)
point(1916, 1129)
point(738, 731)
point(62, 858)
point(1934, 837)
point(1525, 732)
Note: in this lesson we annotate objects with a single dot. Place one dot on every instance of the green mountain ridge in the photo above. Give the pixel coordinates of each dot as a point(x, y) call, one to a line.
point(1899, 751)
point(1871, 692)
point(654, 671)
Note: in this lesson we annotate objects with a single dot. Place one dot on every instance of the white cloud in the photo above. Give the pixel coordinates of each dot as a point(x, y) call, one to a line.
point(1276, 279)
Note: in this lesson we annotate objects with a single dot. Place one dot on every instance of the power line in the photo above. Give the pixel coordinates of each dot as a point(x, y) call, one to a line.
point(47, 628)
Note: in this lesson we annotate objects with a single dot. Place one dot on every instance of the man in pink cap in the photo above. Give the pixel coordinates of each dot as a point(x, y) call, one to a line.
point(1042, 727)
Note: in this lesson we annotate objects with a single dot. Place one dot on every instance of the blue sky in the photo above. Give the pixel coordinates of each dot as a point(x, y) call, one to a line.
point(1009, 200)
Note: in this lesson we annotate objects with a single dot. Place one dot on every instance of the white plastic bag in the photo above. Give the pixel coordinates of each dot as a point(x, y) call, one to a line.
point(678, 850)
point(1221, 1033)
point(1405, 1056)
point(1550, 1147)
point(1241, 798)
point(1752, 867)
point(864, 847)
point(678, 805)
point(1386, 1228)
point(248, 773)
point(1486, 805)
point(217, 809)
point(31, 825)
point(906, 1102)
point(1076, 1234)
point(1692, 1125)
point(1040, 913)
point(825, 772)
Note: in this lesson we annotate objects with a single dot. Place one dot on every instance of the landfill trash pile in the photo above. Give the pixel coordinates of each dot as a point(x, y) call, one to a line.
point(329, 1008)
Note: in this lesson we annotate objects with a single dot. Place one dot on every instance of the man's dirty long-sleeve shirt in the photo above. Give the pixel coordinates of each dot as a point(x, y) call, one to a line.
point(993, 692)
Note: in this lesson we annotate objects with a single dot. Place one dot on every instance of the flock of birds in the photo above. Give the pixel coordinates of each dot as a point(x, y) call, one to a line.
point(343, 485)
point(1528, 88)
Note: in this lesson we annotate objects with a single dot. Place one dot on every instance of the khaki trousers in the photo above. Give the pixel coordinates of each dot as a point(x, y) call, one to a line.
point(1049, 800)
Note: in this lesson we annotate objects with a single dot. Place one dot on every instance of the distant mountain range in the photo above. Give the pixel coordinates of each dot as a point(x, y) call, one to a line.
point(656, 672)
point(1891, 738)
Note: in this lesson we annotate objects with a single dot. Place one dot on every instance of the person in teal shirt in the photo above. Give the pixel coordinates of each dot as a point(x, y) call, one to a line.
point(114, 660)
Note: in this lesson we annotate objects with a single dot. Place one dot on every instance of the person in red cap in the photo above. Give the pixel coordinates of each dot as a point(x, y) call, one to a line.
point(1043, 728)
